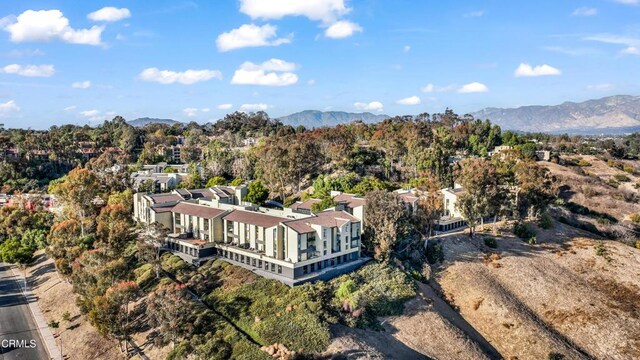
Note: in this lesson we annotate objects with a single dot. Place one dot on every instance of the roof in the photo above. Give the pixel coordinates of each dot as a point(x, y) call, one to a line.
point(165, 198)
point(408, 197)
point(329, 218)
point(350, 200)
point(254, 218)
point(162, 209)
point(305, 205)
point(201, 193)
point(222, 191)
point(201, 211)
point(301, 226)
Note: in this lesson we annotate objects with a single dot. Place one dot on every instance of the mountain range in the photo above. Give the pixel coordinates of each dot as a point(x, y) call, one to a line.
point(618, 114)
point(609, 115)
point(316, 119)
point(140, 122)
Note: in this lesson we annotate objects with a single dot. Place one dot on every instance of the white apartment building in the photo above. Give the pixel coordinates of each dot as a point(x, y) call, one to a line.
point(281, 244)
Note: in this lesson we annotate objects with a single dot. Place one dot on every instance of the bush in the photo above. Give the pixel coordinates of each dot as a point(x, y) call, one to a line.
point(216, 180)
point(491, 242)
point(345, 290)
point(630, 169)
point(435, 252)
point(583, 163)
point(236, 182)
point(621, 178)
point(635, 218)
point(523, 231)
point(546, 221)
point(600, 249)
point(589, 192)
point(532, 240)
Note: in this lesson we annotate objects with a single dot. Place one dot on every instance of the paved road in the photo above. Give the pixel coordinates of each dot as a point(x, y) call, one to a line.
point(16, 322)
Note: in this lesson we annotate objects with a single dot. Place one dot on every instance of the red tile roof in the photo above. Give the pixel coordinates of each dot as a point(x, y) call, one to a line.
point(305, 205)
point(350, 200)
point(201, 211)
point(254, 218)
point(329, 218)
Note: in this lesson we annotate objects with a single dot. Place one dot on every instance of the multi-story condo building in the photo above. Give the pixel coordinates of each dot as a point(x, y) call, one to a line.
point(285, 245)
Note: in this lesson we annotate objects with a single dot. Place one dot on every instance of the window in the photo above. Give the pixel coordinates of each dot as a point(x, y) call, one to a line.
point(324, 233)
point(273, 267)
point(241, 258)
point(246, 232)
point(253, 262)
point(279, 269)
point(313, 267)
point(325, 252)
point(259, 263)
point(305, 269)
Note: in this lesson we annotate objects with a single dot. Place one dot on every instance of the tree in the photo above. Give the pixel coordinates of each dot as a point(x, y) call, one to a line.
point(535, 189)
point(386, 222)
point(14, 252)
point(257, 193)
point(170, 308)
point(150, 245)
point(77, 192)
point(113, 232)
point(111, 313)
point(325, 203)
point(216, 180)
point(479, 181)
point(429, 205)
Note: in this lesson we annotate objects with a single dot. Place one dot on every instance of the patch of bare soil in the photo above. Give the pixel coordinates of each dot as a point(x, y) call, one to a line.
point(55, 297)
point(420, 332)
point(557, 296)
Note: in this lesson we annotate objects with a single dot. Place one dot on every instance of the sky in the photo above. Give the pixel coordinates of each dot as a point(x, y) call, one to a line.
point(81, 62)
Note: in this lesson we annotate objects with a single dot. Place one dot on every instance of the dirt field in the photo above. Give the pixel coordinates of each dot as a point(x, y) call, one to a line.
point(589, 187)
point(557, 296)
point(55, 297)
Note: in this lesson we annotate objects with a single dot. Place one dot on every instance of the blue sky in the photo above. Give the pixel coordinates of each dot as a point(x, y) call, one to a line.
point(82, 62)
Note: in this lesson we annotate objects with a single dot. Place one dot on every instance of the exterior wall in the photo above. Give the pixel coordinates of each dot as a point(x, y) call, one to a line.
point(449, 203)
point(358, 212)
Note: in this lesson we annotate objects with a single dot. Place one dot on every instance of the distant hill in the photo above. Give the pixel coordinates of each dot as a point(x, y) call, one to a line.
point(316, 119)
point(609, 115)
point(140, 122)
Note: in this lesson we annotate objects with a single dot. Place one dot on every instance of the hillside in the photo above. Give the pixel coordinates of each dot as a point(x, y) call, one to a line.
point(607, 115)
point(140, 122)
point(316, 119)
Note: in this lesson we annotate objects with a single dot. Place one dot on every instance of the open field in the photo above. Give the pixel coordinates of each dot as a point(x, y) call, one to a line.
point(557, 296)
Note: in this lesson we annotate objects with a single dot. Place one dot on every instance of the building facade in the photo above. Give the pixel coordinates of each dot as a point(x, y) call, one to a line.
point(285, 245)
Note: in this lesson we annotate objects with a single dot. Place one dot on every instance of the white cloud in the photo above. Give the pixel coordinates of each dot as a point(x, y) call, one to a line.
point(632, 45)
point(190, 112)
point(109, 14)
point(205, 110)
point(526, 70)
point(431, 88)
point(631, 50)
point(628, 2)
point(30, 70)
point(90, 113)
point(311, 82)
point(273, 72)
point(585, 11)
point(372, 106)
point(412, 100)
point(225, 106)
point(69, 108)
point(342, 29)
point(406, 48)
point(9, 107)
point(250, 35)
point(474, 87)
point(24, 53)
point(187, 77)
point(600, 87)
point(477, 13)
point(327, 11)
point(254, 107)
point(81, 84)
point(49, 25)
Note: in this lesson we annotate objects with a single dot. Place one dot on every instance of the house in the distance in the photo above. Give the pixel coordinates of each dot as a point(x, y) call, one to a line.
point(451, 218)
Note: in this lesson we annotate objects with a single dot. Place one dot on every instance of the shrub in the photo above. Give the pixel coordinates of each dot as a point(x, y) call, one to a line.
point(637, 244)
point(435, 252)
point(236, 182)
point(532, 240)
point(583, 163)
point(345, 290)
point(298, 331)
point(600, 249)
point(66, 316)
point(491, 242)
point(613, 183)
point(621, 178)
point(523, 231)
point(216, 180)
point(555, 356)
point(635, 218)
point(630, 169)
point(589, 192)
point(546, 221)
